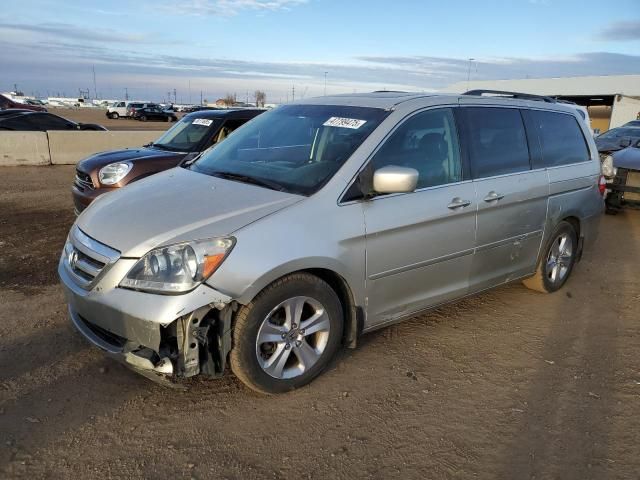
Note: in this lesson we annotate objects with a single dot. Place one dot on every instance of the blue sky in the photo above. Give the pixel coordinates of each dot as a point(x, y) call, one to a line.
point(235, 46)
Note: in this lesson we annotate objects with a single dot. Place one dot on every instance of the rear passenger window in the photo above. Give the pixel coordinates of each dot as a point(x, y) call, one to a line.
point(497, 141)
point(561, 139)
point(428, 142)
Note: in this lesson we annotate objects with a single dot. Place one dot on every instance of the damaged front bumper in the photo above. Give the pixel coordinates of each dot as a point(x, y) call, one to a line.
point(157, 335)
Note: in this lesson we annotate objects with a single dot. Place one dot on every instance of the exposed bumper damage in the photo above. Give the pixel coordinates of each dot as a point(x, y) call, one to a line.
point(197, 343)
point(171, 336)
point(624, 189)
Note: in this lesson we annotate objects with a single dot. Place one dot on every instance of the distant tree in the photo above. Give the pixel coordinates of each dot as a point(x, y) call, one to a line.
point(261, 98)
point(230, 99)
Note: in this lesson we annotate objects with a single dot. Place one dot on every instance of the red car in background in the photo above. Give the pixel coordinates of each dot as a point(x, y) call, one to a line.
point(6, 103)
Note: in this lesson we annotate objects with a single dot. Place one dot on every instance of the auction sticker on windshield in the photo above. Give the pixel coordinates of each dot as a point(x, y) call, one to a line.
point(340, 122)
point(202, 121)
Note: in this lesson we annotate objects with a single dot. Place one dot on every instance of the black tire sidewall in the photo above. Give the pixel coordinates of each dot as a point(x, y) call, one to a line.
point(563, 227)
point(298, 286)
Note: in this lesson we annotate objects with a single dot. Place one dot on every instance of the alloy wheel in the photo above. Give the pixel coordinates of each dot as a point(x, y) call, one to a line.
point(292, 337)
point(559, 258)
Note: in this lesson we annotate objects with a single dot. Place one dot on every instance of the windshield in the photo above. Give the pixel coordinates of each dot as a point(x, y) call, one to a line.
point(187, 134)
point(621, 132)
point(294, 148)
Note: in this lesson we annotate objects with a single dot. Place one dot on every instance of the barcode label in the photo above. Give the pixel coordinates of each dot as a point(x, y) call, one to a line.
point(340, 122)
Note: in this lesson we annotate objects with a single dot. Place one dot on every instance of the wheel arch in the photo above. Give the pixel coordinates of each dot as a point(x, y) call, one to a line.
point(326, 271)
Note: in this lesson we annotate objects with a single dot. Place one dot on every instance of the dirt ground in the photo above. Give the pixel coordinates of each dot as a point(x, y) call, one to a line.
point(511, 384)
point(98, 115)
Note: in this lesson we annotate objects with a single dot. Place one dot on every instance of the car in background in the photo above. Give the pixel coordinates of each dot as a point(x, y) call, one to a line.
point(133, 107)
point(632, 123)
point(108, 171)
point(7, 103)
point(117, 110)
point(154, 113)
point(617, 139)
point(23, 120)
point(621, 170)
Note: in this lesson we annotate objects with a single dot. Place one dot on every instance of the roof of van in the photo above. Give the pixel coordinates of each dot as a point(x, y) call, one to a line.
point(383, 99)
point(231, 112)
point(389, 100)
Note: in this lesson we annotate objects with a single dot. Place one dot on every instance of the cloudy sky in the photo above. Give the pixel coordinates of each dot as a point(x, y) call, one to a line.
point(151, 47)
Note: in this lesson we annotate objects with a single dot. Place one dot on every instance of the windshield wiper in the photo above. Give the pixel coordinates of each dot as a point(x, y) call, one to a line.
point(248, 179)
point(159, 146)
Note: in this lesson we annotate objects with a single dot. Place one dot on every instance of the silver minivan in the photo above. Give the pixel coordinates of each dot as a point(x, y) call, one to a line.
point(327, 218)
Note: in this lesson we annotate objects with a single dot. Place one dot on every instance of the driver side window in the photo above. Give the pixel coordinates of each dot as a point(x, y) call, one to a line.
point(427, 142)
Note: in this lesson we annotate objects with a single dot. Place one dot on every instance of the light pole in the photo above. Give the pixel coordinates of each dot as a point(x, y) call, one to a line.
point(325, 83)
point(469, 72)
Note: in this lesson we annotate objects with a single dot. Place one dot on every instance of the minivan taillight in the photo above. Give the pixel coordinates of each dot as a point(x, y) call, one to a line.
point(602, 185)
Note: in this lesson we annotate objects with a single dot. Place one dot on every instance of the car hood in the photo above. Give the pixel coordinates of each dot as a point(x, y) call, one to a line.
point(628, 158)
point(99, 160)
point(174, 206)
point(608, 144)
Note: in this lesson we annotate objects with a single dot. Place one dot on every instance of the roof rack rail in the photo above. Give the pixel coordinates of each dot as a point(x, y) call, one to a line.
point(519, 95)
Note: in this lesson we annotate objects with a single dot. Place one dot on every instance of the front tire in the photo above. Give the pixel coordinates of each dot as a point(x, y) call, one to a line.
point(287, 335)
point(114, 116)
point(557, 261)
point(143, 118)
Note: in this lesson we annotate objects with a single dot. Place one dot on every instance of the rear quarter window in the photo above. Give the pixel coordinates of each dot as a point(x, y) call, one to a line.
point(561, 139)
point(496, 140)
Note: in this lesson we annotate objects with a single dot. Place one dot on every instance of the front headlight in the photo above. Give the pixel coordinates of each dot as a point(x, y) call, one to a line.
point(178, 268)
point(608, 170)
point(113, 173)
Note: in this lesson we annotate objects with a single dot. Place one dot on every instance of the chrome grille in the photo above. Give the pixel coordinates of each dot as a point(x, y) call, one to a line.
point(83, 181)
point(87, 259)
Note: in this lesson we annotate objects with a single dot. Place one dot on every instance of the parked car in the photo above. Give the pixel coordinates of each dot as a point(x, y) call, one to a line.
point(6, 103)
point(132, 108)
point(323, 219)
point(617, 139)
point(632, 123)
point(154, 113)
point(622, 171)
point(108, 171)
point(24, 120)
point(125, 108)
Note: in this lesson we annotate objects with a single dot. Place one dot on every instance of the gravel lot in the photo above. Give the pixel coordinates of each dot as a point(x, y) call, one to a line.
point(98, 115)
point(510, 384)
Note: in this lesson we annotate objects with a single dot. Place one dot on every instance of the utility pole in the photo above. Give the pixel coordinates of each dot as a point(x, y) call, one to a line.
point(126, 93)
point(15, 88)
point(175, 96)
point(325, 83)
point(201, 98)
point(469, 72)
point(95, 88)
point(293, 93)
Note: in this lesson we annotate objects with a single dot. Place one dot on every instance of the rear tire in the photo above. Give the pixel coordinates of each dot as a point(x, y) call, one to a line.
point(143, 118)
point(114, 116)
point(168, 120)
point(557, 261)
point(287, 335)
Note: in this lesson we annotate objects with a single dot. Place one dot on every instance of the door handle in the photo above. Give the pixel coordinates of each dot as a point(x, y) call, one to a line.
point(493, 197)
point(458, 203)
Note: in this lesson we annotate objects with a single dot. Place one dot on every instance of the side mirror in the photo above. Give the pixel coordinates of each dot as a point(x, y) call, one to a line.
point(625, 142)
point(394, 179)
